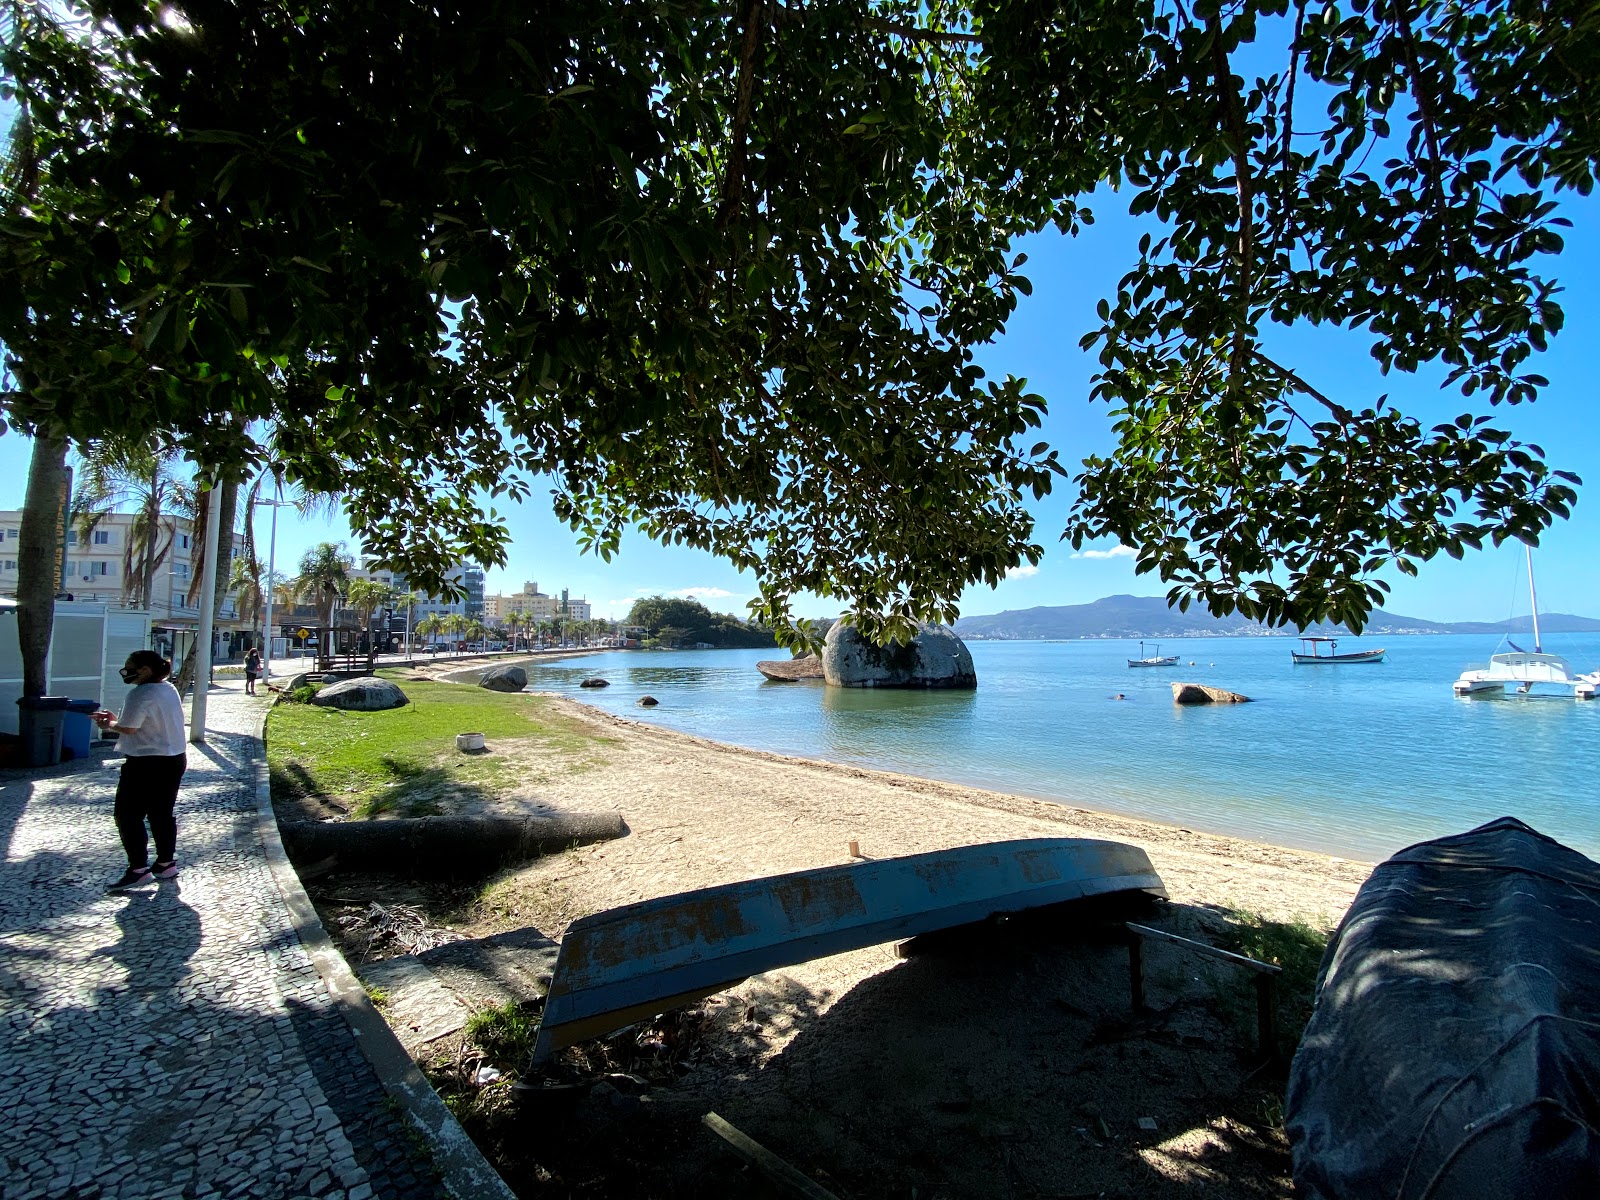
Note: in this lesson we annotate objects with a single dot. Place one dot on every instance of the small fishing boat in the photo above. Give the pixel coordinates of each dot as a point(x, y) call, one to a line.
point(641, 959)
point(1520, 672)
point(1455, 1043)
point(1154, 660)
point(1311, 652)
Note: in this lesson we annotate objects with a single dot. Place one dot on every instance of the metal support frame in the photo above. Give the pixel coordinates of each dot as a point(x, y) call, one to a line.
point(1265, 978)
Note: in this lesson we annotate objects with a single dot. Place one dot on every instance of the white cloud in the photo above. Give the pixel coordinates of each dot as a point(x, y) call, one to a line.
point(1022, 571)
point(704, 593)
point(1114, 552)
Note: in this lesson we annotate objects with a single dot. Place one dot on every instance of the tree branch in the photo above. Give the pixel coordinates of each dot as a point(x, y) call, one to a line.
point(1233, 120)
point(918, 34)
point(1339, 411)
point(733, 180)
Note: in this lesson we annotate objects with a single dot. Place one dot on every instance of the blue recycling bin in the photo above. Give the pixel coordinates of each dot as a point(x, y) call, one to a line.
point(77, 730)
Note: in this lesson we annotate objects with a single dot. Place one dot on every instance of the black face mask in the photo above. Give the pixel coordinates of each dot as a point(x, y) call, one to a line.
point(131, 674)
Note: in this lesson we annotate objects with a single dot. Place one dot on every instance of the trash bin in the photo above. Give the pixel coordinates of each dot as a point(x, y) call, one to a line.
point(40, 721)
point(77, 730)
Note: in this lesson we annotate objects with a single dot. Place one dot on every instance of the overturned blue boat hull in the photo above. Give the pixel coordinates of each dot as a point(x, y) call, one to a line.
point(631, 962)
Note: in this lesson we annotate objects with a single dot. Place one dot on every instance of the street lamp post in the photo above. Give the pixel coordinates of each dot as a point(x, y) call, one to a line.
point(272, 566)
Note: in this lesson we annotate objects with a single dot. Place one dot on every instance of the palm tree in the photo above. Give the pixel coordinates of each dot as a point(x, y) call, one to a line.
point(515, 620)
point(324, 575)
point(115, 475)
point(455, 624)
point(476, 632)
point(244, 581)
point(367, 596)
point(431, 626)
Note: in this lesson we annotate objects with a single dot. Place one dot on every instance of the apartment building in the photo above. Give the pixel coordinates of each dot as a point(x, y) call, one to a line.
point(470, 578)
point(534, 603)
point(102, 569)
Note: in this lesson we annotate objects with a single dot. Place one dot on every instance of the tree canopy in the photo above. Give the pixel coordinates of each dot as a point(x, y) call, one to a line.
point(675, 619)
point(720, 270)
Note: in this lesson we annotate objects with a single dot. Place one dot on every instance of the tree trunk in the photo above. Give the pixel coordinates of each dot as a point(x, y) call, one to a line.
point(228, 505)
point(38, 564)
point(152, 536)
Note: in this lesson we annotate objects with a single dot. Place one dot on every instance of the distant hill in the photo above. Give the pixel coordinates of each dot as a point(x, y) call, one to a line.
point(1149, 617)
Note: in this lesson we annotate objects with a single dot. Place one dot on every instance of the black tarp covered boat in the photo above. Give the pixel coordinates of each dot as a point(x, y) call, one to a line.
point(1455, 1047)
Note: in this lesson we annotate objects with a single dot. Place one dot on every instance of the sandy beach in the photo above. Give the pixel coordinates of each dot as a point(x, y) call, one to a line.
point(879, 1071)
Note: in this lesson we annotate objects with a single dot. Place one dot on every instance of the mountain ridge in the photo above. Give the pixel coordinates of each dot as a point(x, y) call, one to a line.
point(1124, 616)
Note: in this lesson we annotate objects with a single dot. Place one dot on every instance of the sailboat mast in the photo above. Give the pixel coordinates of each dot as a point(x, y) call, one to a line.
point(1533, 600)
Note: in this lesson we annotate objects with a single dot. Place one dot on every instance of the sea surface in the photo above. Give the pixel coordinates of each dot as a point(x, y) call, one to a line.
point(1354, 760)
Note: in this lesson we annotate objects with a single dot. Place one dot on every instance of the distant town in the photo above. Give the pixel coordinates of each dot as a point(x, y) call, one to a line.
point(124, 564)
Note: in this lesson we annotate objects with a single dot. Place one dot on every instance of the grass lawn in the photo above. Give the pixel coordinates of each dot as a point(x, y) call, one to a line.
point(404, 760)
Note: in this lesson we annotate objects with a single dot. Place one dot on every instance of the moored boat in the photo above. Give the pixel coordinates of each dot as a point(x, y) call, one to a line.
point(1311, 652)
point(1520, 672)
point(1153, 660)
point(617, 966)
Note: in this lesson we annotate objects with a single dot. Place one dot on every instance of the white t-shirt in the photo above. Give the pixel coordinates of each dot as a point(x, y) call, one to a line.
point(155, 713)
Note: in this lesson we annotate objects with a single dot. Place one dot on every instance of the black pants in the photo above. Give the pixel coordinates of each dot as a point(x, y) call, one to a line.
point(147, 791)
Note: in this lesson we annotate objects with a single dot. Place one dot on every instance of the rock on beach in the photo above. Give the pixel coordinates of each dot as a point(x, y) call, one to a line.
point(504, 679)
point(360, 695)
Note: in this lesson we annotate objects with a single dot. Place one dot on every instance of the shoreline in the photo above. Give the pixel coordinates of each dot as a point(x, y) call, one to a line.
point(1068, 805)
point(890, 812)
point(1137, 830)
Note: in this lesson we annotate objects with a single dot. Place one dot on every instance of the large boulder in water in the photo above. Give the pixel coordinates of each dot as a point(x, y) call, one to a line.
point(504, 679)
point(360, 695)
point(1199, 693)
point(934, 658)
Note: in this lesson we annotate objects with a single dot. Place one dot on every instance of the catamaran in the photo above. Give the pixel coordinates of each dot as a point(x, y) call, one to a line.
point(1154, 660)
point(1311, 652)
point(1519, 672)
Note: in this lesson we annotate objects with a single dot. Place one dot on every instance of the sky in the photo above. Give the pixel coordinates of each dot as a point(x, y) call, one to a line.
point(1041, 345)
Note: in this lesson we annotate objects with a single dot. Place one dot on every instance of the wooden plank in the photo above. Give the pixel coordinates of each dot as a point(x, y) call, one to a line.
point(777, 1172)
point(1238, 960)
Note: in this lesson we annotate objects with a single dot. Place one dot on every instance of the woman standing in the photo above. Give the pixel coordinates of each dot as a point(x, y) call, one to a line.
point(150, 733)
point(252, 671)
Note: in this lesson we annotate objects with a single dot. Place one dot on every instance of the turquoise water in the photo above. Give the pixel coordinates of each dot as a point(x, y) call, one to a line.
point(1350, 760)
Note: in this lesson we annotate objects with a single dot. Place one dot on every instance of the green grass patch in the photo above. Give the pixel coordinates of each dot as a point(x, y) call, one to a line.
point(1295, 946)
point(506, 1034)
point(404, 760)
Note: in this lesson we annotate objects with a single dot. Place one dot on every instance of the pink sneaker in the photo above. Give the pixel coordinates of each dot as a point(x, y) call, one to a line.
point(165, 870)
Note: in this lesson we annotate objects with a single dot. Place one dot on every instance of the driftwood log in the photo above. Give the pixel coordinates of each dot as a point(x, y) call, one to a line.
point(444, 846)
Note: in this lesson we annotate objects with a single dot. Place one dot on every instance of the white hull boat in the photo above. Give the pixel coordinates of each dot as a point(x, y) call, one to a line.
point(1522, 673)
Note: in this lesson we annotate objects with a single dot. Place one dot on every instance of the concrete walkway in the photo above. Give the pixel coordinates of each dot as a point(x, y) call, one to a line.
point(178, 1040)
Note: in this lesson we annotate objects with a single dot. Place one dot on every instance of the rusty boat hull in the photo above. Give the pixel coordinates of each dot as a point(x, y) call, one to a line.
point(621, 965)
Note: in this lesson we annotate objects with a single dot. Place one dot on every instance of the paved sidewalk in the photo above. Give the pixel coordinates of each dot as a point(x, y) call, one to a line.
point(175, 1041)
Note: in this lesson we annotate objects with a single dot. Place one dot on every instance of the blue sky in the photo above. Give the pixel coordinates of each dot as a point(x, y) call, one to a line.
point(1069, 276)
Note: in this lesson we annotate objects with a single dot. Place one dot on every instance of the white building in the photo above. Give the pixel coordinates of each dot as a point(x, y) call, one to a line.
point(102, 570)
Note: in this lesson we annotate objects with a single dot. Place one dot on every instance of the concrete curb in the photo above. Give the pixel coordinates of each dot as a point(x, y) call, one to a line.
point(464, 1170)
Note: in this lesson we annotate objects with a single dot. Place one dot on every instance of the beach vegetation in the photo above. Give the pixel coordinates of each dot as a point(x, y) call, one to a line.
point(1296, 946)
point(404, 760)
point(506, 1034)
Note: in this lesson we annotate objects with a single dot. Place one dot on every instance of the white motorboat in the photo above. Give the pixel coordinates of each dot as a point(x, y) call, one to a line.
point(1520, 672)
